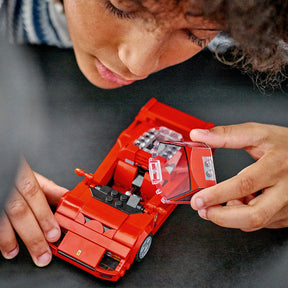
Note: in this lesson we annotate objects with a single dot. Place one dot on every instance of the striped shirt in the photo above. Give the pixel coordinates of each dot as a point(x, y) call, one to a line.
point(35, 22)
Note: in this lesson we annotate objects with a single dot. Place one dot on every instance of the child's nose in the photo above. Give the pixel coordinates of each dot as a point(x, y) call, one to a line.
point(141, 56)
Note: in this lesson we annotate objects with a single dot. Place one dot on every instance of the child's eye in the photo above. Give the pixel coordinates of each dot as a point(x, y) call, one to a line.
point(195, 39)
point(118, 12)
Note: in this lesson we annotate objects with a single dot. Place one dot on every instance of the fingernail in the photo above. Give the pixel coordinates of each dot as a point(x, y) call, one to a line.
point(52, 234)
point(12, 254)
point(203, 213)
point(43, 260)
point(199, 203)
point(201, 131)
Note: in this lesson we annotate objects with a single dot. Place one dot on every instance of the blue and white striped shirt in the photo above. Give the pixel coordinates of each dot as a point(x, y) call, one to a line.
point(35, 21)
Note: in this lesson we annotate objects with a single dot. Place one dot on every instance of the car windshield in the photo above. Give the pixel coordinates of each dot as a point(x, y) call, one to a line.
point(179, 169)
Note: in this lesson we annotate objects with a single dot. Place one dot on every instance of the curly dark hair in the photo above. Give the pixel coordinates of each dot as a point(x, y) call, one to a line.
point(259, 29)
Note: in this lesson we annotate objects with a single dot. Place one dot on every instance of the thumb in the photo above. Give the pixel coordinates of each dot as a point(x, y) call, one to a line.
point(231, 136)
point(52, 191)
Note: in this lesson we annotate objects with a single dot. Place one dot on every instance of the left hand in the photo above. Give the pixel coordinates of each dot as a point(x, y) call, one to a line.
point(245, 208)
point(27, 213)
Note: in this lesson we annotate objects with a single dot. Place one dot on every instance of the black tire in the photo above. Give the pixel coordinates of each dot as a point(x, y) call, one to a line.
point(144, 248)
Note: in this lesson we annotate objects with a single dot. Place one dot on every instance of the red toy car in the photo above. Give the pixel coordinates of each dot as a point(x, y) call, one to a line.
point(108, 220)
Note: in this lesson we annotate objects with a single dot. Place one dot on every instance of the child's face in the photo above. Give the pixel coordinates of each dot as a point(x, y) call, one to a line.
point(117, 43)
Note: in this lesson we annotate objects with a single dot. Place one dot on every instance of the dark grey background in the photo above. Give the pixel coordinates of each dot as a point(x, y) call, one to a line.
point(69, 123)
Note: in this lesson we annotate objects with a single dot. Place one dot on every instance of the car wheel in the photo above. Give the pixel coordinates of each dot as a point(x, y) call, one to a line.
point(143, 250)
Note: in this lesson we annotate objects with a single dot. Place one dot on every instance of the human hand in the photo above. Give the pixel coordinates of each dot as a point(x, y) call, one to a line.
point(245, 208)
point(28, 214)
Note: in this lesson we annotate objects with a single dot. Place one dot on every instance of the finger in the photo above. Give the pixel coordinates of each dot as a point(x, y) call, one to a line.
point(248, 198)
point(279, 220)
point(52, 191)
point(256, 215)
point(249, 181)
point(27, 185)
point(244, 200)
point(278, 224)
point(231, 136)
point(234, 203)
point(8, 243)
point(28, 229)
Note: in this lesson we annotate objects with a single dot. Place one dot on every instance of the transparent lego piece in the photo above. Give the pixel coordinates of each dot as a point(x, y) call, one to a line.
point(180, 169)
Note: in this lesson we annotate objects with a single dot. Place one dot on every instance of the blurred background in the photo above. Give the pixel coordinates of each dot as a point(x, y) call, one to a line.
point(21, 112)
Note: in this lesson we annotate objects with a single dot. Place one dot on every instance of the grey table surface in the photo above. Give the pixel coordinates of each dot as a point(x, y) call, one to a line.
point(69, 123)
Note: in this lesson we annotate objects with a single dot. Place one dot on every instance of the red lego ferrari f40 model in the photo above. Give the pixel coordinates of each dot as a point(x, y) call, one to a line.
point(109, 219)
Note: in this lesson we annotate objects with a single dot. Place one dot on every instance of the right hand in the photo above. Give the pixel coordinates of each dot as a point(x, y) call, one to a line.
point(257, 197)
point(28, 214)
